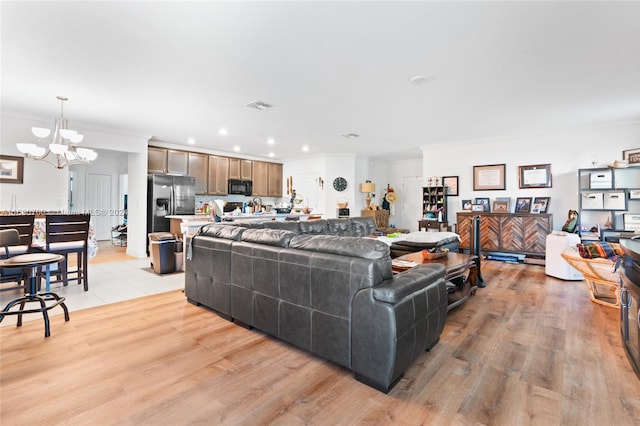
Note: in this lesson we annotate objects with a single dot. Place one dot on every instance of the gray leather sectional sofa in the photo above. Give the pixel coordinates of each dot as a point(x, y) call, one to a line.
point(317, 287)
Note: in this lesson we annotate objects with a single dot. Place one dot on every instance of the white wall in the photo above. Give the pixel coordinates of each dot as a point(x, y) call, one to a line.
point(565, 151)
point(112, 163)
point(45, 188)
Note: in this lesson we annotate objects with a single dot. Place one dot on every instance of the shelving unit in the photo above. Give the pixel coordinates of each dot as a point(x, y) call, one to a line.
point(606, 194)
point(434, 200)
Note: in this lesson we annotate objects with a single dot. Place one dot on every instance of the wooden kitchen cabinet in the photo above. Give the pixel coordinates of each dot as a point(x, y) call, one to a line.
point(260, 178)
point(199, 169)
point(177, 162)
point(240, 169)
point(274, 186)
point(156, 160)
point(524, 233)
point(218, 175)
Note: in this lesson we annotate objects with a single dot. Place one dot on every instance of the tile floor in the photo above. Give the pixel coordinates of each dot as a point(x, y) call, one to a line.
point(108, 283)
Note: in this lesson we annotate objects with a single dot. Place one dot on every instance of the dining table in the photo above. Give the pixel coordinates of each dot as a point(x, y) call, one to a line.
point(40, 238)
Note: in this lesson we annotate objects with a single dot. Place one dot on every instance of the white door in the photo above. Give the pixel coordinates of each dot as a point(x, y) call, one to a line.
point(98, 200)
point(411, 202)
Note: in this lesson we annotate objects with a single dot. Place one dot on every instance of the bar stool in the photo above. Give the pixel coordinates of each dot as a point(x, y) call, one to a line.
point(31, 262)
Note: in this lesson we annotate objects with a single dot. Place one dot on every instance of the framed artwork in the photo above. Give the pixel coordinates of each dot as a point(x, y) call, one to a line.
point(451, 182)
point(489, 177)
point(501, 206)
point(466, 204)
point(484, 202)
point(11, 169)
point(634, 194)
point(535, 176)
point(542, 203)
point(523, 204)
point(632, 155)
point(477, 207)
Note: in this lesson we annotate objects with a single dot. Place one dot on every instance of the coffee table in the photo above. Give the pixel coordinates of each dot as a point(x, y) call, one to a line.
point(461, 274)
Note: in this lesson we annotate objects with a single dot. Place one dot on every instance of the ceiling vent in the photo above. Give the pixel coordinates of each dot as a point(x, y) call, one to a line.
point(351, 135)
point(259, 105)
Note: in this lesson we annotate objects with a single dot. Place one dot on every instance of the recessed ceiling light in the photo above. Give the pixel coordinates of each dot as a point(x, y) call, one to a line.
point(259, 105)
point(236, 148)
point(191, 141)
point(223, 131)
point(419, 79)
point(270, 141)
point(351, 135)
point(271, 154)
point(305, 148)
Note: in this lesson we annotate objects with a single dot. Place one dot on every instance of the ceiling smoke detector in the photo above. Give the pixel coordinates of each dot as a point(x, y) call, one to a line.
point(259, 105)
point(351, 135)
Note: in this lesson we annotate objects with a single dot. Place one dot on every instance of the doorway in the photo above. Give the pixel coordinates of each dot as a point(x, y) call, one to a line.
point(411, 202)
point(98, 201)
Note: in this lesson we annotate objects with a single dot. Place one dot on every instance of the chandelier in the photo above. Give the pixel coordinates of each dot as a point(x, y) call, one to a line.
point(61, 150)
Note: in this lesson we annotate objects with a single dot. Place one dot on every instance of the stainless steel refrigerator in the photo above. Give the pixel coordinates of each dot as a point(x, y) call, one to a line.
point(169, 195)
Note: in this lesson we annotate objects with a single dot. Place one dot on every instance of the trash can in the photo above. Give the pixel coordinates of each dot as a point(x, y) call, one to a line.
point(179, 255)
point(162, 249)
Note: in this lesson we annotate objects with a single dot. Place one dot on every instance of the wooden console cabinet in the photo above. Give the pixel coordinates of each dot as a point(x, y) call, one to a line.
point(381, 217)
point(524, 233)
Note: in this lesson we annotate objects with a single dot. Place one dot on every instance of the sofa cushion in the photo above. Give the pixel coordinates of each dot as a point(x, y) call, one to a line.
point(287, 225)
point(407, 283)
point(217, 230)
point(343, 227)
point(598, 249)
point(270, 237)
point(347, 246)
point(363, 225)
point(314, 227)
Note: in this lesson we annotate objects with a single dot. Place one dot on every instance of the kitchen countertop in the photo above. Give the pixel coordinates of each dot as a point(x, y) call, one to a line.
point(189, 216)
point(243, 216)
point(276, 216)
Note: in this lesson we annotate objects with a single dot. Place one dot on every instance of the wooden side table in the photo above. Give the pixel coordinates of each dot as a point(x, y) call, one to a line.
point(381, 217)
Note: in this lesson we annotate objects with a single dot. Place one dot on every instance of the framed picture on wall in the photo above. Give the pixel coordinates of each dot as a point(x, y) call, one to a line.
point(11, 169)
point(535, 176)
point(631, 155)
point(451, 183)
point(489, 177)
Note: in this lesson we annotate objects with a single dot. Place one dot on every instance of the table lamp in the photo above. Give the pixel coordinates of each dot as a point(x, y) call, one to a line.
point(368, 187)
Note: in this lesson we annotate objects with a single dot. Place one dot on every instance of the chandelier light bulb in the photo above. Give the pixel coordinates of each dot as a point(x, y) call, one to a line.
point(26, 148)
point(77, 138)
point(58, 148)
point(38, 151)
point(40, 132)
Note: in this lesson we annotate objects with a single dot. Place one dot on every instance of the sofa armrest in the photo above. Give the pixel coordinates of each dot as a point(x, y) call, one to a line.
point(407, 282)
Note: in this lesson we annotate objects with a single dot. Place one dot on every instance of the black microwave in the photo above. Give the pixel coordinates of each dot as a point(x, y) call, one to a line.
point(238, 186)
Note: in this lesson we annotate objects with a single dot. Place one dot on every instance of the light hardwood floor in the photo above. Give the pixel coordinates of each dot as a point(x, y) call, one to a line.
point(526, 350)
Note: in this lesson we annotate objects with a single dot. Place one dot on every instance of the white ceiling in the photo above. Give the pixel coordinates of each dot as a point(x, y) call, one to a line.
point(177, 70)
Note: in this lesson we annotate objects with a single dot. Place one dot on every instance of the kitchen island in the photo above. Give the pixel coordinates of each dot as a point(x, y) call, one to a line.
point(179, 224)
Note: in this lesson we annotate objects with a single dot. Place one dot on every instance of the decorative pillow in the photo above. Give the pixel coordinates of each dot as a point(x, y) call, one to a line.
point(599, 249)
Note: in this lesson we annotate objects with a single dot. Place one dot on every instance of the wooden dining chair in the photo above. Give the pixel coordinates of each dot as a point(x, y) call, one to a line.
point(23, 224)
point(67, 234)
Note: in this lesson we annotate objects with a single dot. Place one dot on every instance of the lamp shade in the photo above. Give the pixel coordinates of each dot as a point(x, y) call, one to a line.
point(367, 187)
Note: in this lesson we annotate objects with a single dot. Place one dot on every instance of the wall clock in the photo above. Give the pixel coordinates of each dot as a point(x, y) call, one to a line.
point(339, 184)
